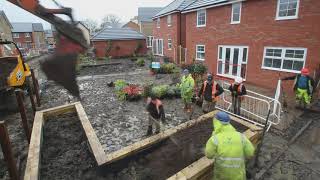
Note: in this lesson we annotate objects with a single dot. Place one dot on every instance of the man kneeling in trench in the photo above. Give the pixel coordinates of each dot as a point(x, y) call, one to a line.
point(229, 148)
point(156, 114)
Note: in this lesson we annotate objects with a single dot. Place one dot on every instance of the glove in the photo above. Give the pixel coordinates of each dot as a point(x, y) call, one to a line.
point(197, 98)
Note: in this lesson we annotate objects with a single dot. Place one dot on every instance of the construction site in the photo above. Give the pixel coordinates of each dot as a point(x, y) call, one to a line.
point(72, 116)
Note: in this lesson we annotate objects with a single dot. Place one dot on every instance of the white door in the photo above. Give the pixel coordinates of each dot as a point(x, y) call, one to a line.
point(232, 61)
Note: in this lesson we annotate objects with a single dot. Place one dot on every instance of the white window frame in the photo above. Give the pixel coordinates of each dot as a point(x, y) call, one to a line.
point(240, 47)
point(158, 22)
point(15, 35)
point(169, 20)
point(205, 17)
point(149, 41)
point(204, 52)
point(283, 53)
point(19, 45)
point(232, 14)
point(26, 34)
point(287, 17)
point(169, 44)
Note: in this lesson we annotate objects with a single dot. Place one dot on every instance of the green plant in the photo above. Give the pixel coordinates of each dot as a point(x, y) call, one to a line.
point(167, 68)
point(147, 90)
point(119, 86)
point(160, 91)
point(140, 62)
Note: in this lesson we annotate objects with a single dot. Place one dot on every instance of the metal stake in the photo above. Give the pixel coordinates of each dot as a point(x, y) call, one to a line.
point(7, 152)
point(36, 87)
point(23, 114)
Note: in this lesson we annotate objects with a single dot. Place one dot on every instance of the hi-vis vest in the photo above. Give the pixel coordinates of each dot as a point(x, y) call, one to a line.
point(214, 87)
point(239, 87)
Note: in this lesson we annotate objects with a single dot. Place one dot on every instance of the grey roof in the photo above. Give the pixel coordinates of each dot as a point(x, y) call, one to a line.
point(37, 27)
point(117, 34)
point(145, 14)
point(176, 5)
point(203, 3)
point(5, 18)
point(26, 27)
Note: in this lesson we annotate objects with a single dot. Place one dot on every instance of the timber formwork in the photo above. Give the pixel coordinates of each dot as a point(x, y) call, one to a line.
point(198, 170)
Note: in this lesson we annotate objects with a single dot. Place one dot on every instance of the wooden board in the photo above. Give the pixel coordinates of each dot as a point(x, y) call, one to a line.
point(148, 142)
point(34, 154)
point(200, 169)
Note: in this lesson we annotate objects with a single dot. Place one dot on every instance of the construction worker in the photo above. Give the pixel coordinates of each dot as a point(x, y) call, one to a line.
point(156, 114)
point(303, 87)
point(238, 90)
point(187, 88)
point(209, 92)
point(229, 149)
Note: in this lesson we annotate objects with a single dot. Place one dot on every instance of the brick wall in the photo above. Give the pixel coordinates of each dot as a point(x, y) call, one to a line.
point(166, 32)
point(258, 28)
point(26, 42)
point(133, 26)
point(125, 48)
point(5, 29)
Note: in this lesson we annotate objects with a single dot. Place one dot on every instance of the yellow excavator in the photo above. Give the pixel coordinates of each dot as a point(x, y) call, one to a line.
point(59, 67)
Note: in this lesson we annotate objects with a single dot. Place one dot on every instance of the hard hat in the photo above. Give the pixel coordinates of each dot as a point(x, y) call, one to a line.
point(238, 80)
point(305, 71)
point(185, 71)
point(223, 117)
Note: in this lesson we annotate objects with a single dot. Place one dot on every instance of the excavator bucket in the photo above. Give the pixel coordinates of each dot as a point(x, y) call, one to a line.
point(62, 70)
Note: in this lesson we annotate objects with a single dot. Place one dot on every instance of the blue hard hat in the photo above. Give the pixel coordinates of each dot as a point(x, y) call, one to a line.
point(223, 117)
point(186, 71)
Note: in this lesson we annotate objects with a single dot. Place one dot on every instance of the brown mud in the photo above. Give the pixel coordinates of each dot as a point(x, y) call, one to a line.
point(64, 153)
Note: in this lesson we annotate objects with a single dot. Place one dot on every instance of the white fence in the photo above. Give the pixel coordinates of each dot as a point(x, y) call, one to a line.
point(254, 107)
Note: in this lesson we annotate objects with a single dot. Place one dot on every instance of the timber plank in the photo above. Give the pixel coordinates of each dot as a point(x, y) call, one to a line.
point(94, 142)
point(55, 111)
point(146, 143)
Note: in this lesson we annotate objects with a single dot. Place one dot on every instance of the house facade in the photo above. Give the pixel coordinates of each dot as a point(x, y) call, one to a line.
point(145, 22)
point(29, 36)
point(5, 27)
point(257, 40)
point(132, 25)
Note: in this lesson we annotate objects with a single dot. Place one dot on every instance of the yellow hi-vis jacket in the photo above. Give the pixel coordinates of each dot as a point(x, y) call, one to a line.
point(229, 149)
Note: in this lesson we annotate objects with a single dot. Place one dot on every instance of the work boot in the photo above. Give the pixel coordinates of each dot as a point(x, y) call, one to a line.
point(149, 132)
point(157, 132)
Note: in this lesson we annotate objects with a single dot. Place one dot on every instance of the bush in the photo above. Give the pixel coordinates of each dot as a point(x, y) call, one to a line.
point(196, 68)
point(160, 91)
point(140, 62)
point(147, 90)
point(132, 92)
point(119, 86)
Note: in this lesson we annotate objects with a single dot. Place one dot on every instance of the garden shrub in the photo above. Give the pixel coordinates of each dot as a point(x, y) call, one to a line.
point(132, 92)
point(140, 62)
point(160, 91)
point(119, 86)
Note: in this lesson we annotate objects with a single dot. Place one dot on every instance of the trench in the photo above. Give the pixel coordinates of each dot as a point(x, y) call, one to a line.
point(64, 152)
point(163, 159)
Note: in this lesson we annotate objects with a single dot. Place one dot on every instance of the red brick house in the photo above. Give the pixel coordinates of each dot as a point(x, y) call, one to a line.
point(119, 42)
point(132, 25)
point(258, 40)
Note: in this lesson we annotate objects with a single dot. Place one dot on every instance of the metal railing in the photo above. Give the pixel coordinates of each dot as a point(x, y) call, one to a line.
point(254, 107)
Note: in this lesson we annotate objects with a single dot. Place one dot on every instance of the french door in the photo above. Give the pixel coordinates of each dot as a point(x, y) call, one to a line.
point(232, 61)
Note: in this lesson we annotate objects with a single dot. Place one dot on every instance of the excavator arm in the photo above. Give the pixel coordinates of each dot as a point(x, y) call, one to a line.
point(59, 67)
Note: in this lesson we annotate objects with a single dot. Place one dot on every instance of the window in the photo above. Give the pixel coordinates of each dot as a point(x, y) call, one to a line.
point(287, 9)
point(26, 34)
point(19, 45)
point(169, 44)
point(284, 59)
point(157, 47)
point(201, 52)
point(169, 20)
point(236, 13)
point(15, 35)
point(158, 23)
point(149, 41)
point(232, 61)
point(201, 18)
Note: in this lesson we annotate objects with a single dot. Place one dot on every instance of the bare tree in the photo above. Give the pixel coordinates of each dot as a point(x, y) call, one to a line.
point(110, 20)
point(91, 24)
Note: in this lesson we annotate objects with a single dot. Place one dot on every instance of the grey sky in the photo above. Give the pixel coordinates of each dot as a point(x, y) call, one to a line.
point(94, 9)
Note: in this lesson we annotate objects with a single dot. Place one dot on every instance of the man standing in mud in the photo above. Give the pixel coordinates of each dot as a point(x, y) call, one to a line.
point(187, 89)
point(229, 149)
point(210, 90)
point(238, 90)
point(156, 114)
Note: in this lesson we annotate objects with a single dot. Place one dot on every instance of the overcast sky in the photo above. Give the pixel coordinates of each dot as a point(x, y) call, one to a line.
point(94, 9)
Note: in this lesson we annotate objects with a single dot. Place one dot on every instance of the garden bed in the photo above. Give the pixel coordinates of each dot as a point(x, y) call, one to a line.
point(65, 153)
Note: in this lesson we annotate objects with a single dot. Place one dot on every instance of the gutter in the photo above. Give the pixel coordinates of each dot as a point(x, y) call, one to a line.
point(211, 6)
point(166, 14)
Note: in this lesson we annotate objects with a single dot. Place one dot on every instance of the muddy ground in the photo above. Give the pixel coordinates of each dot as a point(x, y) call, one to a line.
point(119, 124)
point(64, 153)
